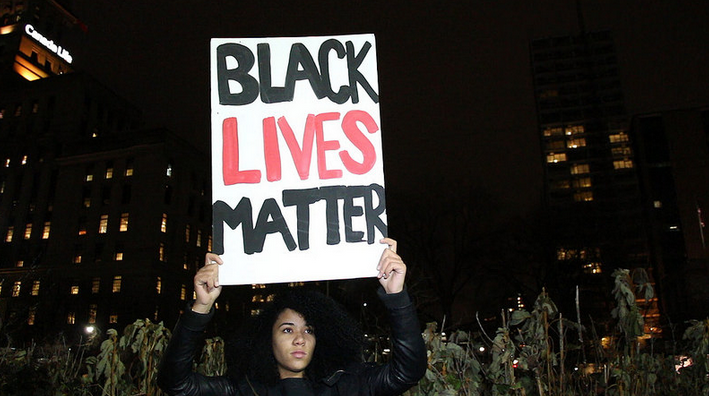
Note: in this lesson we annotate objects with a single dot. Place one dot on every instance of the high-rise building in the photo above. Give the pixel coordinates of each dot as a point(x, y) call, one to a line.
point(591, 186)
point(672, 148)
point(101, 222)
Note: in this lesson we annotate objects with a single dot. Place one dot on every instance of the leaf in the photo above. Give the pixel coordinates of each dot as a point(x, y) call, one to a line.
point(519, 316)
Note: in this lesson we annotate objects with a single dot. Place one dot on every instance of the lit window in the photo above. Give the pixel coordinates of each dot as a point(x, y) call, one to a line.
point(46, 229)
point(187, 233)
point(117, 284)
point(556, 157)
point(89, 176)
point(583, 196)
point(163, 223)
point(87, 202)
point(75, 289)
point(123, 227)
point(129, 168)
point(158, 285)
point(296, 284)
point(270, 297)
point(20, 263)
point(77, 259)
point(258, 286)
point(576, 143)
point(583, 182)
point(168, 170)
point(71, 318)
point(161, 252)
point(257, 298)
point(183, 292)
point(103, 224)
point(10, 232)
point(622, 151)
point(592, 268)
point(199, 238)
point(657, 204)
point(7, 162)
point(574, 130)
point(618, 137)
point(118, 256)
point(556, 131)
point(623, 164)
point(113, 319)
point(28, 231)
point(35, 288)
point(31, 316)
point(184, 261)
point(16, 288)
point(82, 226)
point(109, 172)
point(155, 314)
point(255, 312)
point(95, 285)
point(2, 187)
point(579, 169)
point(24, 160)
point(93, 309)
point(209, 243)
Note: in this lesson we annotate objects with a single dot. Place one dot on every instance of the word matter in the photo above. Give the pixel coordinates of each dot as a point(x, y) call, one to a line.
point(270, 219)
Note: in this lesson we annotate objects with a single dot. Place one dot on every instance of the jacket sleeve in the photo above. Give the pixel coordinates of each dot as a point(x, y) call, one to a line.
point(175, 375)
point(408, 363)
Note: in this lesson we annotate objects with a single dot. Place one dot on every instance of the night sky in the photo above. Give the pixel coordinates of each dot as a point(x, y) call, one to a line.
point(455, 80)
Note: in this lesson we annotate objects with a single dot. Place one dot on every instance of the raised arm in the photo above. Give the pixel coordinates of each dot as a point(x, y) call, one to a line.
point(175, 375)
point(408, 364)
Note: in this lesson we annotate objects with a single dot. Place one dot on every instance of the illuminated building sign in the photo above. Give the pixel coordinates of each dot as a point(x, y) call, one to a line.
point(49, 44)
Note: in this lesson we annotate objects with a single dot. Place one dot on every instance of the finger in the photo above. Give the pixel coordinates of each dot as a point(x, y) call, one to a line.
point(390, 242)
point(211, 258)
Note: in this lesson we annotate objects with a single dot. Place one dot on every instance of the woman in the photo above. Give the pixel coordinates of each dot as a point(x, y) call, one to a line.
point(303, 345)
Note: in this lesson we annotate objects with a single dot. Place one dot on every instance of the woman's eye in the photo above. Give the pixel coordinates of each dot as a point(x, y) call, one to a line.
point(287, 330)
point(309, 330)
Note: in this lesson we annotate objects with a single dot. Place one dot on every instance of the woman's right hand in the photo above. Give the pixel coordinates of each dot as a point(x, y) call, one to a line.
point(206, 284)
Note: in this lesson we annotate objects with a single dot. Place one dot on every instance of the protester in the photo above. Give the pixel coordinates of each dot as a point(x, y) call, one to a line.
point(303, 344)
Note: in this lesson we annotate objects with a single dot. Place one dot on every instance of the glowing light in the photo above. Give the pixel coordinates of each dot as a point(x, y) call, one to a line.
point(49, 44)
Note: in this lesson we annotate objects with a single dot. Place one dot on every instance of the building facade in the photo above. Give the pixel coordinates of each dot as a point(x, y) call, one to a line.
point(102, 222)
point(592, 192)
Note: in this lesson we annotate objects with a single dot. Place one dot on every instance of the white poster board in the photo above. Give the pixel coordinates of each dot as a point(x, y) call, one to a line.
point(298, 184)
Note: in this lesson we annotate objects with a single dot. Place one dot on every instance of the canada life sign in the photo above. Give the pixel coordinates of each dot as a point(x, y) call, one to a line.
point(298, 184)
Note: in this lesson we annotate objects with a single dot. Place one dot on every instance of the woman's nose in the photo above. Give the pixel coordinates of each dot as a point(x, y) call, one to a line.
point(299, 339)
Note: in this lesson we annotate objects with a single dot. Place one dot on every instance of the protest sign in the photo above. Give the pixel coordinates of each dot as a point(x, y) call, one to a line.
point(298, 184)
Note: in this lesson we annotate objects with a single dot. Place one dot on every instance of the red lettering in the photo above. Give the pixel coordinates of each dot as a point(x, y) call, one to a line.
point(271, 152)
point(349, 127)
point(301, 157)
point(325, 145)
point(230, 156)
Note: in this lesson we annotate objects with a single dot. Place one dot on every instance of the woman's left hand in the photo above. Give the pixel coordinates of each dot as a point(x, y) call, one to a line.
point(392, 269)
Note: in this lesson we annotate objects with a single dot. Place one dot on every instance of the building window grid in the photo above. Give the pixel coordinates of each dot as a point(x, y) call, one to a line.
point(46, 230)
point(93, 310)
point(9, 234)
point(28, 231)
point(163, 223)
point(16, 288)
point(35, 288)
point(95, 285)
point(103, 224)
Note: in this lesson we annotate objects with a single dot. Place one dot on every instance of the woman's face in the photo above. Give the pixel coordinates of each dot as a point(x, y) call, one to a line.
point(293, 343)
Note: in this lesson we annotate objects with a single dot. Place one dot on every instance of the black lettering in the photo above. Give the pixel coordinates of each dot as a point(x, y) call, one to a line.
point(245, 61)
point(349, 210)
point(269, 94)
point(353, 63)
point(300, 56)
point(270, 209)
point(223, 213)
point(302, 199)
point(371, 214)
point(344, 92)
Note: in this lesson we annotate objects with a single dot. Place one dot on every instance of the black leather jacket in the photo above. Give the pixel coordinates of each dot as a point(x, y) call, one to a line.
point(406, 368)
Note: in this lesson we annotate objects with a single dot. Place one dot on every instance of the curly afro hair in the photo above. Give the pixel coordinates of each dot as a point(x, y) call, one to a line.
point(340, 340)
